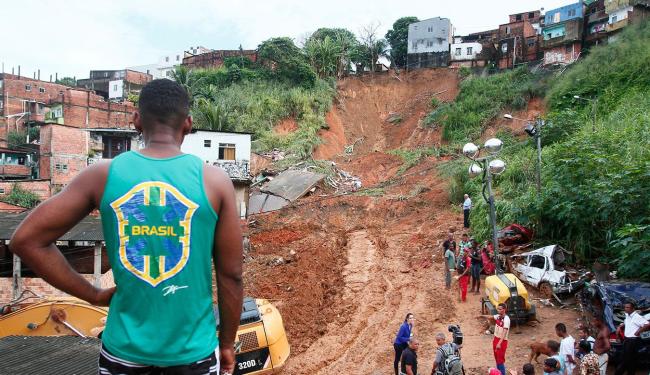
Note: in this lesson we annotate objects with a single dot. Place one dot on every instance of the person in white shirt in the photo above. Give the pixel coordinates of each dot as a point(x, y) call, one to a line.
point(567, 345)
point(631, 328)
point(467, 206)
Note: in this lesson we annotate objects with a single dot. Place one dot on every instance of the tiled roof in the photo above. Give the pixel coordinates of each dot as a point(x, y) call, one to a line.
point(89, 229)
point(56, 355)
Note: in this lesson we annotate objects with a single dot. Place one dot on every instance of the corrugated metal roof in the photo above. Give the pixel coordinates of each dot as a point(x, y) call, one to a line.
point(46, 355)
point(89, 229)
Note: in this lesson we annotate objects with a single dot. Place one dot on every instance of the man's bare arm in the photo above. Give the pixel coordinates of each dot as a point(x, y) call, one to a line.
point(34, 239)
point(227, 254)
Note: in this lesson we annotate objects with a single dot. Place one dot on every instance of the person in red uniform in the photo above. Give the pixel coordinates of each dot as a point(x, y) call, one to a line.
point(500, 342)
point(463, 269)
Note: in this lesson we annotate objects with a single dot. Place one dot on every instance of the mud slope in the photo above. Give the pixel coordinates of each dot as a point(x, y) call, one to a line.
point(355, 265)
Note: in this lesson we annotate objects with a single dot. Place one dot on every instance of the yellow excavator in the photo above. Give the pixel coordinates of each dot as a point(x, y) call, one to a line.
point(261, 345)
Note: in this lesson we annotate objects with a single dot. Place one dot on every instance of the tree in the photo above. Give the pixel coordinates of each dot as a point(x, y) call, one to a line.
point(330, 51)
point(397, 37)
point(67, 81)
point(372, 47)
point(287, 61)
point(211, 116)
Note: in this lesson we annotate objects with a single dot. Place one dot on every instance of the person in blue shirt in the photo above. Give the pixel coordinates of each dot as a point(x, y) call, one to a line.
point(401, 341)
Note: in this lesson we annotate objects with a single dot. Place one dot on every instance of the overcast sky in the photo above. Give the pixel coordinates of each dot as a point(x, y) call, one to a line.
point(74, 36)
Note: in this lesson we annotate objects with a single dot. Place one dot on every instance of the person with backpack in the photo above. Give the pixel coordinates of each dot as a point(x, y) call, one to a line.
point(463, 269)
point(447, 361)
point(477, 266)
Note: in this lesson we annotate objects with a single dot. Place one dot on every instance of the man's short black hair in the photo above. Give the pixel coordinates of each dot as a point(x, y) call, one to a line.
point(560, 327)
point(631, 302)
point(163, 101)
point(585, 346)
point(529, 369)
point(553, 345)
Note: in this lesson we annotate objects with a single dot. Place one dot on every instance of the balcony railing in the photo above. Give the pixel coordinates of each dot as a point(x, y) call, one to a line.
point(617, 25)
point(237, 170)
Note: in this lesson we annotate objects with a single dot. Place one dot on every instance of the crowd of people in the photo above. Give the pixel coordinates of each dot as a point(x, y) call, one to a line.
point(568, 356)
point(586, 356)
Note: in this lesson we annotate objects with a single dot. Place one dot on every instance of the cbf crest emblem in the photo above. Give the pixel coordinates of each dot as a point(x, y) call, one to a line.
point(154, 224)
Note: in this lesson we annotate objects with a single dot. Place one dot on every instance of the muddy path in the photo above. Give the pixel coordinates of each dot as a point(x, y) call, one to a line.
point(354, 266)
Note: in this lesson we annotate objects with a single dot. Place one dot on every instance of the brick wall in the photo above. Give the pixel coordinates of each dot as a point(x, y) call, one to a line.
point(137, 78)
point(214, 59)
point(38, 187)
point(64, 153)
point(15, 170)
point(40, 287)
point(84, 109)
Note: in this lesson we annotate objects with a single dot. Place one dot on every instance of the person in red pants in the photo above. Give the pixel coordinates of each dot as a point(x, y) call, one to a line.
point(463, 269)
point(500, 342)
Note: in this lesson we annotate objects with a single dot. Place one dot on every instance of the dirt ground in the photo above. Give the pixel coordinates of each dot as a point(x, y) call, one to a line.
point(355, 265)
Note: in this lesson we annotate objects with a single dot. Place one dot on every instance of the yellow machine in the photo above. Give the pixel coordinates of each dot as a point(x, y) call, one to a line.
point(261, 345)
point(506, 288)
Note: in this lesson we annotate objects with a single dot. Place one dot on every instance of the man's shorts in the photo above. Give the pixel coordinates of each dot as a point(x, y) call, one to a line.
point(109, 364)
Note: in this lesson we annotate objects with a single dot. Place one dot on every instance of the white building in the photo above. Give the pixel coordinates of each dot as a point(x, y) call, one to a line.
point(465, 51)
point(230, 151)
point(165, 66)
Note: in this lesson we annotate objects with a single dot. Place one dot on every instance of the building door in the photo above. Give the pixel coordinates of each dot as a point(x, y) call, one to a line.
point(114, 146)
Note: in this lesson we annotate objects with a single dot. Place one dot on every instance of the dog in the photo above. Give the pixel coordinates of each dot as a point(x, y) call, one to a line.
point(536, 349)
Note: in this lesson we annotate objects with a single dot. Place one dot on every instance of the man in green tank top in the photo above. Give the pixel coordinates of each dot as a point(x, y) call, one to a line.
point(165, 216)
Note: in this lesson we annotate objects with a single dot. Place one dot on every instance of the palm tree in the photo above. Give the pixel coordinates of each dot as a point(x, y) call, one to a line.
point(210, 116)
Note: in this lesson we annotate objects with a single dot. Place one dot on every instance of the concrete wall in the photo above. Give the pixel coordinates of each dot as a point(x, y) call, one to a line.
point(432, 35)
point(194, 144)
point(563, 54)
point(619, 14)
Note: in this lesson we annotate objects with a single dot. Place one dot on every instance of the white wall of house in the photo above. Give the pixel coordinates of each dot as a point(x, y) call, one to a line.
point(116, 89)
point(205, 145)
point(152, 69)
point(619, 14)
point(432, 35)
point(465, 51)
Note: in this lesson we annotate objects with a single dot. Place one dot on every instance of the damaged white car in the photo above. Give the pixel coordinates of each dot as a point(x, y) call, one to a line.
point(545, 269)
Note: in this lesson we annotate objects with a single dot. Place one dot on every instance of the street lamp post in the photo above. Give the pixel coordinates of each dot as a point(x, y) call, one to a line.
point(487, 166)
point(593, 110)
point(534, 131)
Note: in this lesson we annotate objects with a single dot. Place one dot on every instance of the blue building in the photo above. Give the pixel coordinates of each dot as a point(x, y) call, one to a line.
point(563, 14)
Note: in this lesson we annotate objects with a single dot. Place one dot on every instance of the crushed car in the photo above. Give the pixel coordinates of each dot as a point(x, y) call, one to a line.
point(606, 300)
point(546, 270)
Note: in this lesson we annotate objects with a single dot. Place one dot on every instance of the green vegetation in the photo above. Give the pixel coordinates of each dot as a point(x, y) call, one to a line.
point(16, 138)
point(480, 100)
point(411, 158)
point(21, 197)
point(595, 184)
point(67, 81)
point(397, 37)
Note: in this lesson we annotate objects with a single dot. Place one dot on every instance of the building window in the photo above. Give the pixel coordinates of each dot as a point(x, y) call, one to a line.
point(148, 71)
point(41, 89)
point(556, 17)
point(531, 42)
point(469, 50)
point(2, 190)
point(429, 43)
point(207, 143)
point(415, 44)
point(572, 12)
point(549, 36)
point(226, 151)
point(614, 19)
point(504, 47)
point(430, 29)
point(115, 87)
point(531, 15)
point(457, 51)
point(518, 17)
point(507, 29)
point(28, 87)
point(61, 167)
point(569, 48)
point(2, 103)
point(178, 57)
